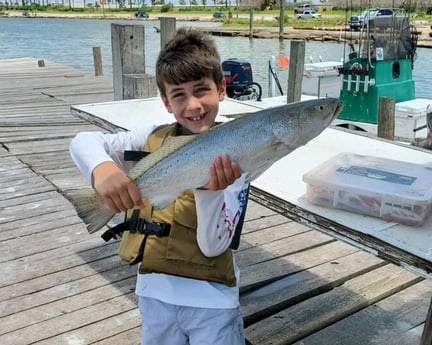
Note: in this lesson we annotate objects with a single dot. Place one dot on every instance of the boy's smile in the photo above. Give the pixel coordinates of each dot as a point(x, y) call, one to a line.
point(195, 104)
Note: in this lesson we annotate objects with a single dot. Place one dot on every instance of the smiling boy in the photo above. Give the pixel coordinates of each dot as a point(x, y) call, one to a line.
point(187, 283)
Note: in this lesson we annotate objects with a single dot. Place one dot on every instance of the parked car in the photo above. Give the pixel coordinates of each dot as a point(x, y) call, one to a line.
point(304, 7)
point(218, 15)
point(357, 22)
point(141, 14)
point(307, 14)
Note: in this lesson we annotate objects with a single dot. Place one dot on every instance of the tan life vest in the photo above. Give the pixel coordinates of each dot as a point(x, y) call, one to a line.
point(177, 254)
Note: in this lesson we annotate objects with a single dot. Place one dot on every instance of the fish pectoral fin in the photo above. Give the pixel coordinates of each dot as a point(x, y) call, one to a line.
point(171, 145)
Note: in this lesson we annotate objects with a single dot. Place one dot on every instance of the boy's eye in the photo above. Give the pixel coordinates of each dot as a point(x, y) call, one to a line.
point(202, 89)
point(177, 95)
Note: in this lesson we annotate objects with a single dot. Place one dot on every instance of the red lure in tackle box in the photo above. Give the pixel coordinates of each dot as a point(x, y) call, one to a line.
point(393, 190)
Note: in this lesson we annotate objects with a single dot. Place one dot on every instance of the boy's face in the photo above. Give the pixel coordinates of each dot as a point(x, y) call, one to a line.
point(194, 104)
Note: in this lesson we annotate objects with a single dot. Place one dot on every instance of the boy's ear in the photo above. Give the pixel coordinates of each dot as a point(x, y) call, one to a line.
point(222, 90)
point(167, 104)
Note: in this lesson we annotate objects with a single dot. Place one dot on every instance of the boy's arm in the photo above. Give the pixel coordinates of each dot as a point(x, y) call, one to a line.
point(115, 188)
point(220, 206)
point(100, 158)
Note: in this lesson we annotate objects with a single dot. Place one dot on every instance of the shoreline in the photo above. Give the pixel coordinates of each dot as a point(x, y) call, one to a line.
point(335, 34)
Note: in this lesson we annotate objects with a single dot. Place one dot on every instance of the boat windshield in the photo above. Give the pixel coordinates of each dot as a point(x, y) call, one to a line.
point(389, 38)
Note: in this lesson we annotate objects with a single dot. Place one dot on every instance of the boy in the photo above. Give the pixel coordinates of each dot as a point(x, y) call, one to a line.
point(188, 280)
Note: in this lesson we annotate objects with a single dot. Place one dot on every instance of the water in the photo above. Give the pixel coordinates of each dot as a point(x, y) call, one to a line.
point(70, 42)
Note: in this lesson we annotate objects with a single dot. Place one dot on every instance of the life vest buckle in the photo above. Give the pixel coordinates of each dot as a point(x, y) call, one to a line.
point(135, 224)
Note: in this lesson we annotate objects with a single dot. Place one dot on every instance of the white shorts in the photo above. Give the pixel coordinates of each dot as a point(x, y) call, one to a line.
point(167, 324)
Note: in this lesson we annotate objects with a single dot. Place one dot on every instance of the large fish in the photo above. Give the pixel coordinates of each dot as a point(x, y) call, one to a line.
point(255, 141)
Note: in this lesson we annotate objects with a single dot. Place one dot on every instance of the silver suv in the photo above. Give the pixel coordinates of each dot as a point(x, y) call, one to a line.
point(360, 21)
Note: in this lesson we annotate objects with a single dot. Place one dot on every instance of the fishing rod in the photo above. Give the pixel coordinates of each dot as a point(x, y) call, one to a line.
point(273, 73)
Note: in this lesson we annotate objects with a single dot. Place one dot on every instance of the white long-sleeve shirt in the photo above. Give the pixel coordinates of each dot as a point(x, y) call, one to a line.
point(217, 213)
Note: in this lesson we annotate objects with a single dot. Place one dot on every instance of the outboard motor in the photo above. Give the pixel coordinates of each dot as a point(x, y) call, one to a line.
point(239, 80)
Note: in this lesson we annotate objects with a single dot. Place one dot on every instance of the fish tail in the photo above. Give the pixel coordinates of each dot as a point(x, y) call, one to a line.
point(90, 208)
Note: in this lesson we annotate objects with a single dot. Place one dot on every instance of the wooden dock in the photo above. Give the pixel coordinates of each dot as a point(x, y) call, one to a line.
point(60, 285)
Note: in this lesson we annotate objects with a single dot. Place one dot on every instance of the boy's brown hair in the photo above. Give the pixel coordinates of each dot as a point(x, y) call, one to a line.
point(191, 55)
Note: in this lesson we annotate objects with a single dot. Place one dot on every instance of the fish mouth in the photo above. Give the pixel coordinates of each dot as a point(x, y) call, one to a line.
point(338, 109)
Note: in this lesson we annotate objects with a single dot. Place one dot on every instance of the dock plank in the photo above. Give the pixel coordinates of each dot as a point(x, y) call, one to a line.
point(276, 249)
point(61, 258)
point(104, 329)
point(32, 315)
point(321, 311)
point(393, 320)
point(287, 292)
point(269, 271)
point(44, 333)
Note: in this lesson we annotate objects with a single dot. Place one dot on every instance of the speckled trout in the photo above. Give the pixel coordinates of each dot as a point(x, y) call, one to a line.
point(254, 140)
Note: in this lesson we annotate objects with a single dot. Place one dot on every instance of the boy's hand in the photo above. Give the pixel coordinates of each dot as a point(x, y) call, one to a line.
point(223, 172)
point(115, 188)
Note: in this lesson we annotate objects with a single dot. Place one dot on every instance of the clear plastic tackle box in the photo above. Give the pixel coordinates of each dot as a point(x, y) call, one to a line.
point(393, 190)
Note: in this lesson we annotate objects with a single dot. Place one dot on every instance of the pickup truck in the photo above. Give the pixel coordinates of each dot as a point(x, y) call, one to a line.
point(357, 22)
point(304, 7)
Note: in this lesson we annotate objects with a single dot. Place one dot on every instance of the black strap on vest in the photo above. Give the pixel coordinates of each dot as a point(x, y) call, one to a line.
point(134, 156)
point(137, 225)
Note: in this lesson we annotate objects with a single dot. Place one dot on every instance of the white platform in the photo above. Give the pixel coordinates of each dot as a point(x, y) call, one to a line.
point(284, 178)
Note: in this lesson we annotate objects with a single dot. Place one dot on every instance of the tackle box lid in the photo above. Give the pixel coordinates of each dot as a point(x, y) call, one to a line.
point(374, 176)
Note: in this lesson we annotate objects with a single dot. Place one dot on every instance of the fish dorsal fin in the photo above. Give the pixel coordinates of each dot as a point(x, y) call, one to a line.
point(171, 145)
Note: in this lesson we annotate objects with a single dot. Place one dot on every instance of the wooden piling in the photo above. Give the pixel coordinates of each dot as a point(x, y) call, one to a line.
point(97, 61)
point(167, 30)
point(296, 67)
point(251, 19)
point(281, 19)
point(128, 58)
point(139, 85)
point(386, 118)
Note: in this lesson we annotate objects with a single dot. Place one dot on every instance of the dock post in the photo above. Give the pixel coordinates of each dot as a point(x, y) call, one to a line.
point(97, 61)
point(251, 19)
point(167, 30)
point(295, 75)
point(139, 86)
point(386, 118)
point(281, 19)
point(128, 59)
